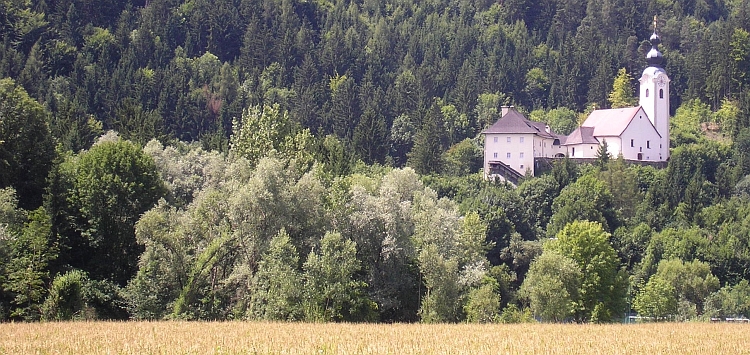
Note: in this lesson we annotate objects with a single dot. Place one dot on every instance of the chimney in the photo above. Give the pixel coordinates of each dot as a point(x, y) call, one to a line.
point(504, 110)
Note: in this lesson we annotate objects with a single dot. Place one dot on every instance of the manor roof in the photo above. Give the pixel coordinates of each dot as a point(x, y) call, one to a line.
point(513, 122)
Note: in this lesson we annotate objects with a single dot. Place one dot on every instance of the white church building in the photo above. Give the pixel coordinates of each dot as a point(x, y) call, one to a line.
point(639, 133)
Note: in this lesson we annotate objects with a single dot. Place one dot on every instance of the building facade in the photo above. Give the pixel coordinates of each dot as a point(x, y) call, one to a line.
point(639, 133)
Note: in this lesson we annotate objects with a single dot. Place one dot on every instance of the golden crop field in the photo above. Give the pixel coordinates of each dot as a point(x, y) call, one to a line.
point(302, 338)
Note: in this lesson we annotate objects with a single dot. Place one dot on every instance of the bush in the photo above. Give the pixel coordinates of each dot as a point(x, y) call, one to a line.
point(65, 300)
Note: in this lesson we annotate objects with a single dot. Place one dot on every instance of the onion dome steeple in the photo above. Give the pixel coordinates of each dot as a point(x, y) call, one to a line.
point(654, 57)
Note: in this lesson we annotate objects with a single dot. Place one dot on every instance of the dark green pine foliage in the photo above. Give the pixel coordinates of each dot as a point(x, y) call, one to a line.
point(426, 154)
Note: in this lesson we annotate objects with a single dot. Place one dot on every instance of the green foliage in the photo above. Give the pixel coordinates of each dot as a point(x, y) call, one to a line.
point(487, 109)
point(740, 52)
point(277, 283)
point(685, 124)
point(562, 120)
point(728, 117)
point(463, 158)
point(622, 91)
point(538, 195)
point(426, 155)
point(603, 285)
point(602, 155)
point(730, 301)
point(441, 279)
point(692, 281)
point(369, 138)
point(66, 297)
point(623, 183)
point(728, 249)
point(483, 303)
point(259, 132)
point(363, 84)
point(553, 286)
point(656, 300)
point(106, 189)
point(537, 84)
point(512, 315)
point(26, 146)
point(331, 292)
point(587, 199)
point(29, 255)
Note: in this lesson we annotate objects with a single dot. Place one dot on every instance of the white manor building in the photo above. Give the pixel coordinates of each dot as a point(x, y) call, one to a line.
point(638, 133)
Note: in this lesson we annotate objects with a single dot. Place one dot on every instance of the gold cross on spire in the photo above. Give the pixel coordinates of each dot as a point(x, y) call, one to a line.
point(654, 23)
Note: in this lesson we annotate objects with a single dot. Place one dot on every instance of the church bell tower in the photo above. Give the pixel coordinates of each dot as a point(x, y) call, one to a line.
point(654, 93)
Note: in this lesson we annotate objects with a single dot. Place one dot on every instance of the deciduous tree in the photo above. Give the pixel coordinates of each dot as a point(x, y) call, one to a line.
point(604, 284)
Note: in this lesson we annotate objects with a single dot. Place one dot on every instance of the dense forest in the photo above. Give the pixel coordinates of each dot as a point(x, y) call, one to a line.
point(318, 161)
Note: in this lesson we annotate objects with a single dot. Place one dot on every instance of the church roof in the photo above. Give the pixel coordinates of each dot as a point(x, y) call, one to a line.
point(612, 122)
point(515, 122)
point(582, 135)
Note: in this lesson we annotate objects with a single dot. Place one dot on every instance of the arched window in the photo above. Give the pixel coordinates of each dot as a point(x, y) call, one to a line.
point(646, 92)
point(661, 93)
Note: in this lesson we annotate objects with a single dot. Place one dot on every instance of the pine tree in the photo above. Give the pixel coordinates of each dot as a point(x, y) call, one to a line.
point(426, 155)
point(602, 155)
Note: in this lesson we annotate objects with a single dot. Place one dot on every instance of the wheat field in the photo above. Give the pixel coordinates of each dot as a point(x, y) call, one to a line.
point(305, 338)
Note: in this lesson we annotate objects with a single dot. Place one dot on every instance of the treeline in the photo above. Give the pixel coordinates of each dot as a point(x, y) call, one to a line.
point(372, 73)
point(317, 161)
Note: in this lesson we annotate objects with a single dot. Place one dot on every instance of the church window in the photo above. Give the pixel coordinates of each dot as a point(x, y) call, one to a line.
point(648, 144)
point(520, 140)
point(508, 140)
point(661, 93)
point(632, 143)
point(521, 155)
point(646, 92)
point(507, 155)
point(495, 155)
point(495, 139)
point(574, 151)
point(521, 166)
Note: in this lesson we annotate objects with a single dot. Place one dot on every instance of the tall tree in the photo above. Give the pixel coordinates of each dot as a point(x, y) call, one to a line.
point(277, 295)
point(604, 285)
point(553, 287)
point(26, 146)
point(104, 191)
point(622, 91)
point(426, 155)
point(332, 292)
point(370, 137)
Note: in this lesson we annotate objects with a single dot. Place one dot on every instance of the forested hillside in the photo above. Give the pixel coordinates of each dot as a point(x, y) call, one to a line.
point(317, 160)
